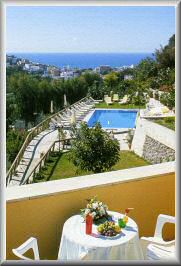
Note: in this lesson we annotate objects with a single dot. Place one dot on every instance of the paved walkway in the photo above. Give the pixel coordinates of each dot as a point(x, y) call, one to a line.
point(41, 143)
point(122, 141)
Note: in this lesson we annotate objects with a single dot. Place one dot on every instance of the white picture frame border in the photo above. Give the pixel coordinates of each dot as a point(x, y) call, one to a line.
point(3, 5)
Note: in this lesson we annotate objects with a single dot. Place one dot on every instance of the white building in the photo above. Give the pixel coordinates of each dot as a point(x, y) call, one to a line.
point(67, 75)
point(128, 77)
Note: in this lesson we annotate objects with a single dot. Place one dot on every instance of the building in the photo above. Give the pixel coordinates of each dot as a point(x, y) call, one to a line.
point(103, 69)
point(67, 75)
point(128, 77)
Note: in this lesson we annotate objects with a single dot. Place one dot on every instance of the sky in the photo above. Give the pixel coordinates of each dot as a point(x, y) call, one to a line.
point(88, 29)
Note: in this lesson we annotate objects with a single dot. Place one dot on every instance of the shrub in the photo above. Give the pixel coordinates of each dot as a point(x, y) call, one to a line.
point(39, 176)
point(94, 149)
point(156, 95)
point(169, 119)
point(150, 93)
point(14, 141)
point(168, 99)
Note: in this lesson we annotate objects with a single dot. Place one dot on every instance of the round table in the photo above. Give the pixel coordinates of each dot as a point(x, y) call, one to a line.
point(75, 241)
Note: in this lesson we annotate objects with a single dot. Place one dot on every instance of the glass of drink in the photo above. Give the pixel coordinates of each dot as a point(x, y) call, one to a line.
point(121, 223)
point(89, 222)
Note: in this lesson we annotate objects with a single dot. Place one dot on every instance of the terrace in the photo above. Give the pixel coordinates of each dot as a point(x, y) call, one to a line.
point(40, 210)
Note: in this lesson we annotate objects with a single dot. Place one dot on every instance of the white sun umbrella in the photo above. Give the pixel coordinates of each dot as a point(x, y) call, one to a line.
point(65, 100)
point(51, 107)
point(73, 118)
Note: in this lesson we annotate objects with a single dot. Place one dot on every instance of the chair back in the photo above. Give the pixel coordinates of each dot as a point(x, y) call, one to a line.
point(161, 220)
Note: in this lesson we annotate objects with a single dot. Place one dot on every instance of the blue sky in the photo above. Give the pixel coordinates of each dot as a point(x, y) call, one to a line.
point(88, 29)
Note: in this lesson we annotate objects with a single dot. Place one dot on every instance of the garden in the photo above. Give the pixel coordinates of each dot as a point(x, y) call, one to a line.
point(92, 151)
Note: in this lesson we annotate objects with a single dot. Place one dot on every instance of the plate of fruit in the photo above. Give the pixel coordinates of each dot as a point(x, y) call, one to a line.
point(109, 229)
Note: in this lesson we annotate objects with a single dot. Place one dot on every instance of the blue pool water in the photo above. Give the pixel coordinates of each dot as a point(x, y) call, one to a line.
point(113, 118)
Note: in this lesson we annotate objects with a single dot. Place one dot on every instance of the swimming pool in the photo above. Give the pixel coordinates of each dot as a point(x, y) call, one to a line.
point(113, 118)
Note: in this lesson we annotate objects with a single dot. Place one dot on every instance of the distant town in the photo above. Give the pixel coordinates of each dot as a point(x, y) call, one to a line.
point(65, 72)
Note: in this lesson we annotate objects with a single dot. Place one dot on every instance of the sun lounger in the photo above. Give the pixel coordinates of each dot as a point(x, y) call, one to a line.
point(82, 108)
point(105, 96)
point(124, 99)
point(108, 100)
point(115, 98)
point(87, 106)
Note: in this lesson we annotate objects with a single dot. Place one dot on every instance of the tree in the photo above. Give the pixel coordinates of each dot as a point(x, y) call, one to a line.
point(90, 78)
point(26, 95)
point(94, 149)
point(165, 56)
point(45, 95)
point(111, 80)
point(146, 69)
point(96, 91)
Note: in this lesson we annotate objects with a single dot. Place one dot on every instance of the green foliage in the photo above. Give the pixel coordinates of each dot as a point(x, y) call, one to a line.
point(168, 122)
point(62, 167)
point(166, 55)
point(11, 110)
point(166, 76)
point(111, 80)
point(146, 69)
point(138, 99)
point(92, 78)
point(150, 93)
point(14, 141)
point(96, 91)
point(32, 95)
point(168, 98)
point(156, 95)
point(94, 149)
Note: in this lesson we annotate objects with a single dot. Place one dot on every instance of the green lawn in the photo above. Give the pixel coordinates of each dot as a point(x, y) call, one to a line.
point(168, 122)
point(119, 106)
point(59, 166)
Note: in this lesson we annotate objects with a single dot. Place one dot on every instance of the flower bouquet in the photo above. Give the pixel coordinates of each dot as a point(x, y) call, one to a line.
point(98, 211)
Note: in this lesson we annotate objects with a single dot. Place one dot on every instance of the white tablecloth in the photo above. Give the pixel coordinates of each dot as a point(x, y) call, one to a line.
point(74, 242)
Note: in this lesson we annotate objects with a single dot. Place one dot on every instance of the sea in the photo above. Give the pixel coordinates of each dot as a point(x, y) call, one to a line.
point(85, 60)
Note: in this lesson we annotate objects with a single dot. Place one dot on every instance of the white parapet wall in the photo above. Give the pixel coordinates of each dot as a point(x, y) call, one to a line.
point(153, 130)
point(67, 185)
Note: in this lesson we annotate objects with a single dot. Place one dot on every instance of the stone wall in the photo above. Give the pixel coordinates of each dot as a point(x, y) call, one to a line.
point(160, 140)
point(156, 152)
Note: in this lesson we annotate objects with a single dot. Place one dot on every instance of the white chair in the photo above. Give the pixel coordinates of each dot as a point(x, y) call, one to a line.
point(108, 100)
point(157, 238)
point(32, 243)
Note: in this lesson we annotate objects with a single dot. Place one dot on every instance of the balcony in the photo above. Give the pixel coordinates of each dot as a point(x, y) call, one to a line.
point(40, 210)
